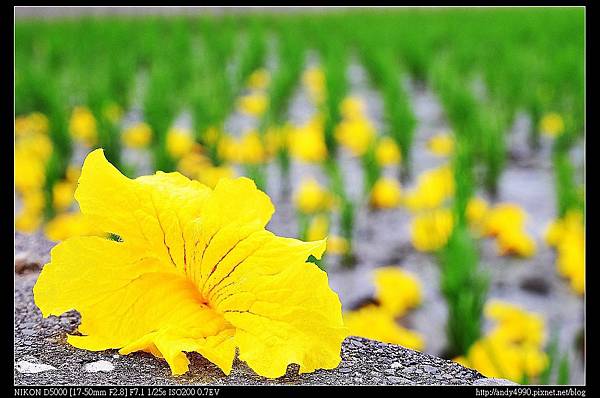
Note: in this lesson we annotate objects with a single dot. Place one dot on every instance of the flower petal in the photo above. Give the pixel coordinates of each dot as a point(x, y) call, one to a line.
point(140, 307)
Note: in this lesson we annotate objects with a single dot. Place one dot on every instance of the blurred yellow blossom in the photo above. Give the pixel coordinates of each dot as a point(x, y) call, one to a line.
point(254, 104)
point(552, 124)
point(31, 214)
point(318, 228)
point(567, 235)
point(337, 245)
point(515, 241)
point(33, 123)
point(385, 194)
point(433, 188)
point(137, 136)
point(62, 194)
point(259, 79)
point(352, 107)
point(251, 149)
point(476, 212)
point(312, 197)
point(307, 142)
point(515, 324)
point(355, 134)
point(441, 144)
point(210, 175)
point(179, 142)
point(430, 230)
point(376, 323)
point(82, 126)
point(314, 80)
point(506, 222)
point(387, 152)
point(397, 290)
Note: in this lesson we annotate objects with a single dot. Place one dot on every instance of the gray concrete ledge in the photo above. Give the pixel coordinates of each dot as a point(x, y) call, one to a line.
point(41, 344)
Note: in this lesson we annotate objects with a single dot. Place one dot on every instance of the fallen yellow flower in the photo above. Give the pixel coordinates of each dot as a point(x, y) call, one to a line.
point(311, 197)
point(193, 270)
point(385, 194)
point(552, 124)
point(441, 144)
point(137, 136)
point(82, 126)
point(430, 231)
point(387, 152)
point(397, 290)
point(179, 142)
point(253, 104)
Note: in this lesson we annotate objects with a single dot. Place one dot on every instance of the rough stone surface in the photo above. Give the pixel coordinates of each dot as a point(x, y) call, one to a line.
point(43, 342)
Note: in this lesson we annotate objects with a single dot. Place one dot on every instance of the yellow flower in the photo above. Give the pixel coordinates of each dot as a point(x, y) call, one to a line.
point(397, 290)
point(82, 126)
point(30, 217)
point(352, 108)
point(73, 173)
point(430, 231)
point(227, 148)
point(567, 235)
point(311, 197)
point(211, 175)
point(387, 152)
point(276, 138)
point(318, 228)
point(441, 144)
point(32, 124)
point(515, 241)
point(192, 270)
point(513, 348)
point(307, 142)
point(179, 142)
point(253, 104)
point(67, 225)
point(385, 193)
point(314, 80)
point(137, 136)
point(503, 217)
point(515, 324)
point(552, 124)
point(251, 149)
point(259, 79)
point(433, 188)
point(113, 112)
point(30, 169)
point(376, 323)
point(476, 211)
point(62, 194)
point(356, 135)
point(337, 245)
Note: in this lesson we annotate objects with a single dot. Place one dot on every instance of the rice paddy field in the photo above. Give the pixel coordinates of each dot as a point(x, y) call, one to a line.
point(440, 151)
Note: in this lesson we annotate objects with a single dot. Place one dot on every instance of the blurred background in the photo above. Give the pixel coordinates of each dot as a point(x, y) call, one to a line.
point(440, 150)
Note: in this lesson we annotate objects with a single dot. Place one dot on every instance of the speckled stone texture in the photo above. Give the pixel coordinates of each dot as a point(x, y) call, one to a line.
point(43, 341)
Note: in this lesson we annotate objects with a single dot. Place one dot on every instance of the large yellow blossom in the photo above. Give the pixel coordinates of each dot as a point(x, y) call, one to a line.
point(397, 290)
point(431, 230)
point(311, 197)
point(376, 323)
point(193, 270)
point(67, 225)
point(82, 126)
point(386, 193)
